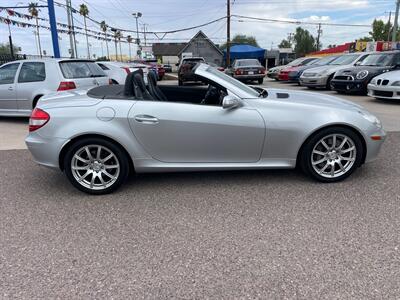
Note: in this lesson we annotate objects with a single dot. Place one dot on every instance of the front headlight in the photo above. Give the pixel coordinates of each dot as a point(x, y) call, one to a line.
point(362, 74)
point(371, 118)
point(396, 83)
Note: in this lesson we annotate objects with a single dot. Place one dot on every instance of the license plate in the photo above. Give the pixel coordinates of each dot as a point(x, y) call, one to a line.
point(251, 73)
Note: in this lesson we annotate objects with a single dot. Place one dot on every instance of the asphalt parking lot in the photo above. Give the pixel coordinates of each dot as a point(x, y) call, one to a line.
point(220, 235)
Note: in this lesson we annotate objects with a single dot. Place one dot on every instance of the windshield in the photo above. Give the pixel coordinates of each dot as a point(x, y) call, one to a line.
point(295, 62)
point(324, 61)
point(344, 60)
point(247, 62)
point(378, 60)
point(233, 81)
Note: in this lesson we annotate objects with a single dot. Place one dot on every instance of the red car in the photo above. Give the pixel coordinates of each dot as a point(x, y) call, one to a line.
point(283, 74)
point(154, 66)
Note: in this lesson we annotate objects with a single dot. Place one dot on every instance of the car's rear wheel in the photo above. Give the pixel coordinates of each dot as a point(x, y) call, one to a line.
point(332, 154)
point(96, 166)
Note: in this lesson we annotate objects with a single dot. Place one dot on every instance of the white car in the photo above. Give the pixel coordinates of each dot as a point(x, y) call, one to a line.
point(385, 86)
point(117, 71)
point(24, 82)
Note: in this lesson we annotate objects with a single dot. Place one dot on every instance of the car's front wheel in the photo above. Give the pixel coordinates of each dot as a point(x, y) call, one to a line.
point(332, 154)
point(96, 166)
point(260, 81)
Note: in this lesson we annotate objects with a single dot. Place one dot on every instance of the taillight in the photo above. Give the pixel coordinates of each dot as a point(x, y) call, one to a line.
point(262, 71)
point(38, 119)
point(66, 85)
point(126, 70)
point(238, 71)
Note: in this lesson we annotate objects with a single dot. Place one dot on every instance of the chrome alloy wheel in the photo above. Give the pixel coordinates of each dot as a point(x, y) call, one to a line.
point(333, 155)
point(95, 167)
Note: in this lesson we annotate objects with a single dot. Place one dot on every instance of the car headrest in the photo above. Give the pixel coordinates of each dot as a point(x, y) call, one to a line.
point(130, 85)
point(152, 78)
point(141, 86)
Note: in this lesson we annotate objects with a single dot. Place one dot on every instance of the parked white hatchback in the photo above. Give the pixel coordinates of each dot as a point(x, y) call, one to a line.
point(117, 71)
point(385, 86)
point(23, 83)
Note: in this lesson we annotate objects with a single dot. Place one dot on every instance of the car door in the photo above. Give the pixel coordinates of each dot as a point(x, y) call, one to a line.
point(193, 133)
point(8, 95)
point(30, 79)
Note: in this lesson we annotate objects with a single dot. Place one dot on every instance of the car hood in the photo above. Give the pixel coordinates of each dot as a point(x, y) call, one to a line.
point(392, 76)
point(309, 98)
point(278, 68)
point(330, 68)
point(371, 70)
point(67, 99)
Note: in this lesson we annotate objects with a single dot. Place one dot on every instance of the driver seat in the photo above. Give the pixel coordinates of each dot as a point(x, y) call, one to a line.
point(154, 90)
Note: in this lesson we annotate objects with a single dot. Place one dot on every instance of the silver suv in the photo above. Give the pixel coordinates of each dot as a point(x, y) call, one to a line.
point(23, 83)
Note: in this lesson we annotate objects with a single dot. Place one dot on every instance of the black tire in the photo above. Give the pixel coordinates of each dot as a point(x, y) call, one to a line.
point(328, 83)
point(260, 81)
point(311, 87)
point(305, 157)
point(120, 159)
point(180, 82)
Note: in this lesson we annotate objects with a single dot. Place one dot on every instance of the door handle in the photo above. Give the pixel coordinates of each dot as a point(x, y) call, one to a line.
point(10, 88)
point(146, 119)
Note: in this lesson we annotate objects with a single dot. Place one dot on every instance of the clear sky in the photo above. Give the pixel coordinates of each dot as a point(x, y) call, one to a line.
point(164, 15)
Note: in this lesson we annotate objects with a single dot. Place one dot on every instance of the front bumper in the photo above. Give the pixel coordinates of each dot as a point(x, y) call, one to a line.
point(385, 92)
point(374, 146)
point(45, 151)
point(313, 81)
point(272, 75)
point(349, 86)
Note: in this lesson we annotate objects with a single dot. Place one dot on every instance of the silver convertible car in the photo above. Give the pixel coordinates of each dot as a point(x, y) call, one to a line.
point(97, 138)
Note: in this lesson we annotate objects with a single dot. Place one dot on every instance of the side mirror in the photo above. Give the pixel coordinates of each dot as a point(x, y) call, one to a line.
point(357, 63)
point(230, 102)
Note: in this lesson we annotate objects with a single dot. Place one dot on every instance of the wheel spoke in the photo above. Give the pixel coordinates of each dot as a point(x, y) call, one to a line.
point(92, 181)
point(334, 141)
point(98, 152)
point(324, 168)
point(88, 153)
point(319, 152)
point(80, 158)
point(347, 158)
point(108, 174)
point(343, 143)
point(111, 166)
point(319, 161)
point(101, 179)
point(348, 149)
point(333, 170)
point(341, 166)
point(80, 168)
point(108, 157)
point(325, 145)
point(85, 175)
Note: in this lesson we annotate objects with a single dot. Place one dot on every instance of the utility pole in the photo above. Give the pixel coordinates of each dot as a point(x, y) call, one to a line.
point(319, 35)
point(71, 38)
point(290, 37)
point(53, 28)
point(228, 34)
point(144, 34)
point(396, 19)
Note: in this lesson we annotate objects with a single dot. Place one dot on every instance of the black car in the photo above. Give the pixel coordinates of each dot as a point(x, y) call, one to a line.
point(355, 79)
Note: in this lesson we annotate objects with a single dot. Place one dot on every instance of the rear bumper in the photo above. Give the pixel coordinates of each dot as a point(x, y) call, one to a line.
point(249, 77)
point(353, 86)
point(45, 151)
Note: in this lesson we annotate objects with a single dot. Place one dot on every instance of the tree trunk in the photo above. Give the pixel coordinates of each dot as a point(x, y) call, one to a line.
point(38, 37)
point(108, 53)
point(87, 39)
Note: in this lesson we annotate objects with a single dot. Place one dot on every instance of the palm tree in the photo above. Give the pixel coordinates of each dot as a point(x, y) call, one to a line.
point(84, 11)
point(129, 39)
point(104, 28)
point(35, 13)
